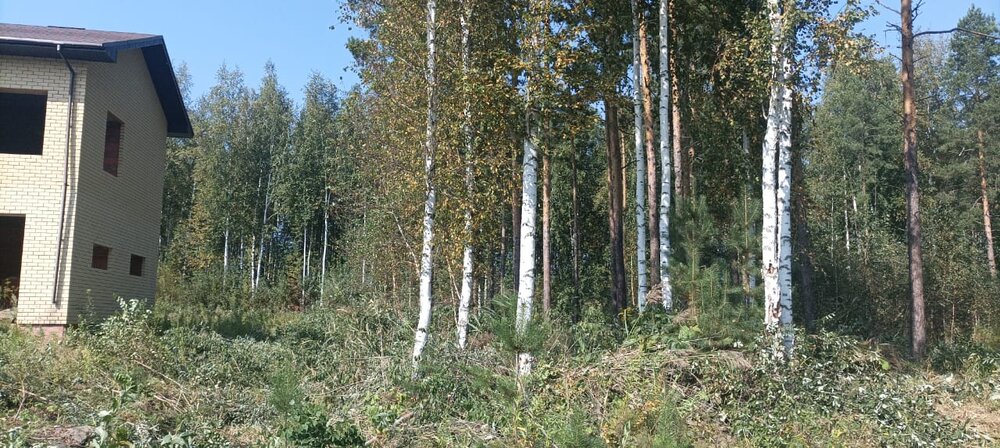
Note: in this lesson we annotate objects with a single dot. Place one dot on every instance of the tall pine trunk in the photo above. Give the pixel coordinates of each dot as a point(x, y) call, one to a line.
point(615, 206)
point(987, 220)
point(466, 295)
point(640, 165)
point(675, 116)
point(918, 331)
point(430, 145)
point(665, 161)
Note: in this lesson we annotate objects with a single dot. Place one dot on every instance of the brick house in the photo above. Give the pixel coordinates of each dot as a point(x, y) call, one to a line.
point(84, 120)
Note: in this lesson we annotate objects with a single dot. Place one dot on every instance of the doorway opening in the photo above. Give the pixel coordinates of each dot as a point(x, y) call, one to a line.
point(11, 248)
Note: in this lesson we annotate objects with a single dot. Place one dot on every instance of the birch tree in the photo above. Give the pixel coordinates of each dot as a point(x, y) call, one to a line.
point(784, 196)
point(665, 160)
point(640, 164)
point(776, 185)
point(529, 189)
point(466, 295)
point(430, 145)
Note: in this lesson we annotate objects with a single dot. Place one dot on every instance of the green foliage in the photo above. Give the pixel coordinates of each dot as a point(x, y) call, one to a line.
point(500, 321)
point(310, 425)
point(340, 378)
point(830, 377)
point(286, 394)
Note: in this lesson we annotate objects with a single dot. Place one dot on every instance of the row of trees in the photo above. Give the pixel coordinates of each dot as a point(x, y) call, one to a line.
point(558, 53)
point(422, 183)
point(261, 191)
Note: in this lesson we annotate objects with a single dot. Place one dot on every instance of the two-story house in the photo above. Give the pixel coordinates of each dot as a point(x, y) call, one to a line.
point(84, 120)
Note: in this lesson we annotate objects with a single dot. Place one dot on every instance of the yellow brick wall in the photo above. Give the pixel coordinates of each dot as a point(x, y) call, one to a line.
point(121, 212)
point(31, 185)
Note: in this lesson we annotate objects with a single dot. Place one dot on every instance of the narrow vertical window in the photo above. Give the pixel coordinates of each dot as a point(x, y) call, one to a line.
point(99, 259)
point(135, 265)
point(112, 144)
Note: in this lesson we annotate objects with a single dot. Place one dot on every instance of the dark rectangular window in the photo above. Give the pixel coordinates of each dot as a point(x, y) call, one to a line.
point(112, 144)
point(22, 122)
point(135, 265)
point(99, 260)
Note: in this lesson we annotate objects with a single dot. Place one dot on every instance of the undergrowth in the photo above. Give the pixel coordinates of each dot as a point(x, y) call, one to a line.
point(190, 375)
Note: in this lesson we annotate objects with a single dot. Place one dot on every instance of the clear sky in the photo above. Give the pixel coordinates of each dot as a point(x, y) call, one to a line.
point(934, 15)
point(296, 34)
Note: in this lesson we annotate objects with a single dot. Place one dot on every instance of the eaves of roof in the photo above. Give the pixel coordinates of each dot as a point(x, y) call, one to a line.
point(102, 46)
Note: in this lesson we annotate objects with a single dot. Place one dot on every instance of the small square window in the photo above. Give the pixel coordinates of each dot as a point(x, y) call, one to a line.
point(99, 260)
point(112, 144)
point(135, 265)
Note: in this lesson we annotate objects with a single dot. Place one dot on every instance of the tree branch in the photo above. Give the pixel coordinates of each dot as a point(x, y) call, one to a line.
point(887, 7)
point(964, 30)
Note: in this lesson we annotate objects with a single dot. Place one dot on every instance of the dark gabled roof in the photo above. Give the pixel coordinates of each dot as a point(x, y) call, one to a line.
point(103, 46)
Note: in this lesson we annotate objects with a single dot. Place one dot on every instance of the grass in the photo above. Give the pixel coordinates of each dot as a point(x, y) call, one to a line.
point(339, 376)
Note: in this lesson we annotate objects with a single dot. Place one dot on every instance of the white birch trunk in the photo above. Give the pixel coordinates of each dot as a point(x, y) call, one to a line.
point(640, 167)
point(263, 232)
point(769, 231)
point(424, 320)
point(225, 255)
point(253, 262)
point(526, 265)
point(784, 196)
point(665, 162)
point(326, 233)
point(305, 265)
point(466, 295)
point(529, 205)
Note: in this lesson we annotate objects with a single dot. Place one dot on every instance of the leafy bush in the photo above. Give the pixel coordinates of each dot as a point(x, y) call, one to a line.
point(310, 426)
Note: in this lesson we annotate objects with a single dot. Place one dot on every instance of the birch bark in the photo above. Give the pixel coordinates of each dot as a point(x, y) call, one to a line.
point(526, 265)
point(326, 234)
point(430, 145)
point(640, 165)
point(665, 149)
point(769, 231)
point(784, 194)
point(465, 298)
point(987, 219)
point(529, 203)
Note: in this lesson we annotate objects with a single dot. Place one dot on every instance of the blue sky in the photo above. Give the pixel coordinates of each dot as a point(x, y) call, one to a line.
point(296, 34)
point(934, 15)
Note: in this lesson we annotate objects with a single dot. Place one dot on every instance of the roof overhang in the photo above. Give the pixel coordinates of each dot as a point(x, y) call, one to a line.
point(154, 51)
